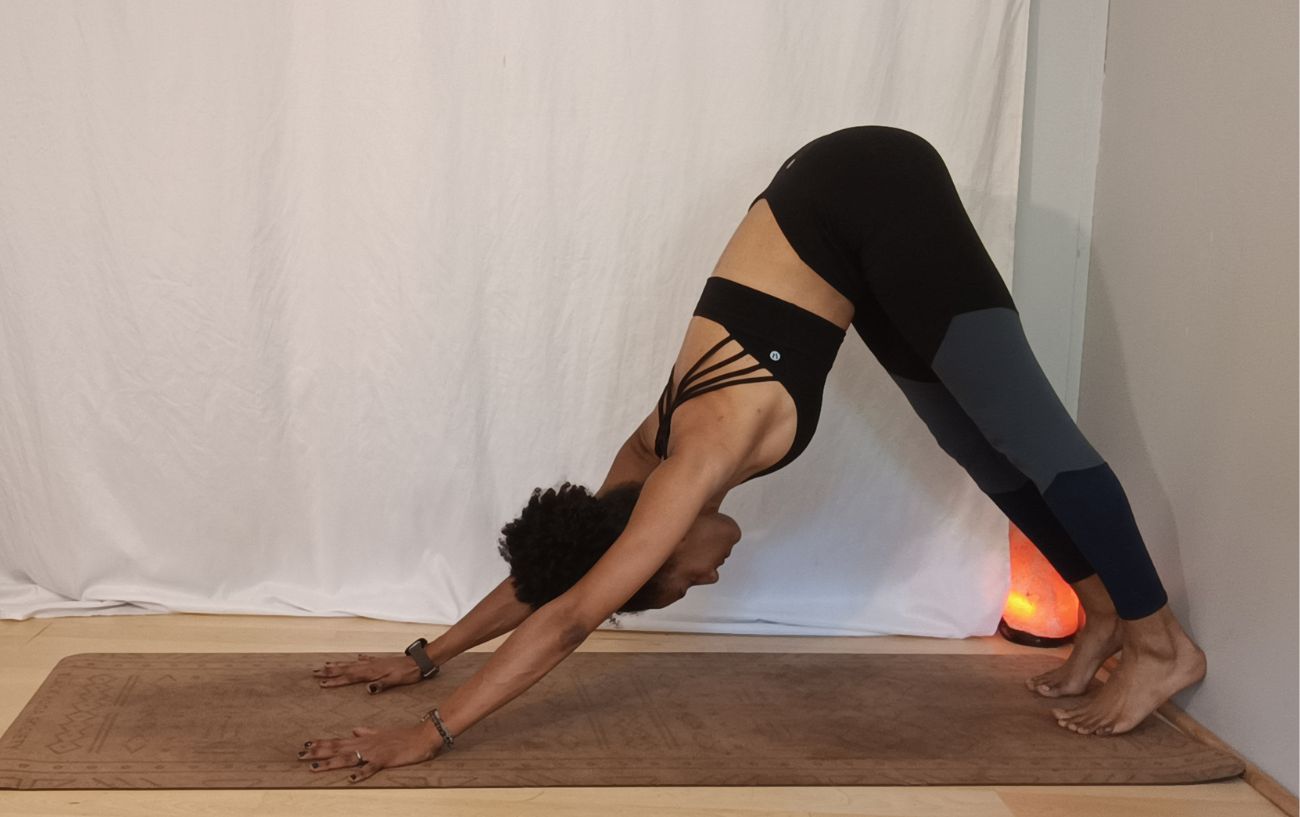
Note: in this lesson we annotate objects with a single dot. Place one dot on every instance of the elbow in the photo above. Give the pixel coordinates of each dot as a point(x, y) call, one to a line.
point(570, 628)
point(573, 634)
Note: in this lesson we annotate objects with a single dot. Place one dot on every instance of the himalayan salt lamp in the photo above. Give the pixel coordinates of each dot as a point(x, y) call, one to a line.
point(1042, 609)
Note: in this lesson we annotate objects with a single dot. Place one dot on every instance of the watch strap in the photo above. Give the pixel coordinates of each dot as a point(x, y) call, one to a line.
point(428, 669)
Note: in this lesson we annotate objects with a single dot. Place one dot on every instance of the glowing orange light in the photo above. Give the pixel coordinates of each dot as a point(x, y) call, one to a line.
point(1040, 602)
point(1023, 607)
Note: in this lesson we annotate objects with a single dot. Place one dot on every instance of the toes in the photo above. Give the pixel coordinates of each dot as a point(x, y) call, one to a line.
point(1064, 719)
point(1104, 726)
point(1100, 723)
point(1079, 719)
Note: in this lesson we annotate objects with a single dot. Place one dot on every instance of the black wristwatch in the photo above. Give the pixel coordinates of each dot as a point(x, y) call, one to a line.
point(427, 668)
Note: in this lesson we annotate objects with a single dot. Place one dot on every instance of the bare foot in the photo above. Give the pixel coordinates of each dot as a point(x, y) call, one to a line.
point(1159, 660)
point(1099, 638)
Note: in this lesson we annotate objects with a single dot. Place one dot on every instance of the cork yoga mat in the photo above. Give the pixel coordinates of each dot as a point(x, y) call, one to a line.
point(237, 720)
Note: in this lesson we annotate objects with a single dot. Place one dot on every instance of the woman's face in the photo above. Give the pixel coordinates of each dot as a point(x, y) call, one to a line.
point(699, 555)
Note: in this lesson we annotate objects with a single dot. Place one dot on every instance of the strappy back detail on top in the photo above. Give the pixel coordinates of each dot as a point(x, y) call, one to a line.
point(687, 389)
point(796, 346)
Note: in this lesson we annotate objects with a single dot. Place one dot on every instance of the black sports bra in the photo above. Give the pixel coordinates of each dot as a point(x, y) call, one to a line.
point(791, 344)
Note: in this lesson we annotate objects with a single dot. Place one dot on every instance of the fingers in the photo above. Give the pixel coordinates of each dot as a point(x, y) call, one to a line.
point(335, 674)
point(331, 668)
point(354, 674)
point(323, 751)
point(339, 761)
point(340, 753)
point(366, 668)
point(380, 684)
point(370, 750)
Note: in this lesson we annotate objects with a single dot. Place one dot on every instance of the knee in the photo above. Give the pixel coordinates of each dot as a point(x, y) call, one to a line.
point(1044, 458)
point(990, 469)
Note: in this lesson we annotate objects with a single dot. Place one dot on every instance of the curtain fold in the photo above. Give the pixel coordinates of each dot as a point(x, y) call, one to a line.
point(299, 301)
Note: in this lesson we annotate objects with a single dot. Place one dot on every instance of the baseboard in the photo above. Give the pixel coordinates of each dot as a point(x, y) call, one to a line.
point(1255, 777)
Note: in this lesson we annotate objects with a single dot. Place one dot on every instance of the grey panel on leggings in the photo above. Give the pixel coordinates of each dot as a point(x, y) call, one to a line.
point(986, 362)
point(959, 437)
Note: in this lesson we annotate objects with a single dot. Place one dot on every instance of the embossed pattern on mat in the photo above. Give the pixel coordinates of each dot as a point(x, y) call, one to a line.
point(237, 720)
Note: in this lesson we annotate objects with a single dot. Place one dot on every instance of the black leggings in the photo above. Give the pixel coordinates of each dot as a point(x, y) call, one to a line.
point(873, 210)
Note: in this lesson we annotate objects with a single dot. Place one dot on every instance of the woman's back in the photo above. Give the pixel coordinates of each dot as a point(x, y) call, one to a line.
point(760, 419)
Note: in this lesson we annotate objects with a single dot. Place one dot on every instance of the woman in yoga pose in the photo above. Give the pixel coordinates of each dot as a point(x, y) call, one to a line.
point(861, 226)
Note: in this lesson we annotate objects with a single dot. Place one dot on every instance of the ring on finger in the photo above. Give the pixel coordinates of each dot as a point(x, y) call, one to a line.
point(361, 761)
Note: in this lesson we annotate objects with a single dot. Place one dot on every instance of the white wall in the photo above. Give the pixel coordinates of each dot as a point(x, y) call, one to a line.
point(1058, 165)
point(1189, 369)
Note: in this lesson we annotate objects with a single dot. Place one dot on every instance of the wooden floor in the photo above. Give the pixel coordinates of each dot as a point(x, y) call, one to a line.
point(30, 649)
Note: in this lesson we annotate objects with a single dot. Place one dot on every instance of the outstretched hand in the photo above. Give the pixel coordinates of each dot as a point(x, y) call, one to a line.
point(373, 749)
point(381, 673)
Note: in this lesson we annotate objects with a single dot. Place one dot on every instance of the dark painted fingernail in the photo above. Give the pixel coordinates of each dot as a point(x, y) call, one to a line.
point(314, 765)
point(303, 753)
point(373, 688)
point(308, 743)
point(352, 777)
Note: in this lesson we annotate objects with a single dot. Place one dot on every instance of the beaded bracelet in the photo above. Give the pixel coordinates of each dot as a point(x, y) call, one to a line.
point(447, 740)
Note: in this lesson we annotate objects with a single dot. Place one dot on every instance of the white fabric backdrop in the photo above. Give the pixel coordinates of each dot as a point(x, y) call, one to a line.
point(298, 301)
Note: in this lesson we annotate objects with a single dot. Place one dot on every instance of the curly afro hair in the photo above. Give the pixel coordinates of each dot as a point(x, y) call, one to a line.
point(560, 534)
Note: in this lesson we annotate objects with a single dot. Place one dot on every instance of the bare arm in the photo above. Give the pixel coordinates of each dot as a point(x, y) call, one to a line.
point(633, 462)
point(669, 504)
point(499, 612)
point(636, 460)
